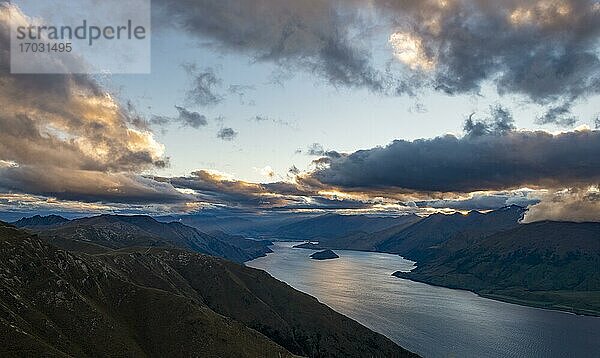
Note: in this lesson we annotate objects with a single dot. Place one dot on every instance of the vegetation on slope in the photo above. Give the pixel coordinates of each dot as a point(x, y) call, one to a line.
point(109, 232)
point(160, 302)
point(546, 264)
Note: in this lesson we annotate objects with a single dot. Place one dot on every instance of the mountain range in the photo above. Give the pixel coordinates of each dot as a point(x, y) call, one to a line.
point(236, 222)
point(333, 226)
point(544, 264)
point(159, 302)
point(111, 232)
point(420, 238)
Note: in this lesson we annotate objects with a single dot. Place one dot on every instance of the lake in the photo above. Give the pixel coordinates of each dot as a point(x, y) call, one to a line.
point(431, 321)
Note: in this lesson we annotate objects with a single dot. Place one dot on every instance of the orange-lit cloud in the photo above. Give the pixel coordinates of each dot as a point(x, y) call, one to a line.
point(66, 137)
point(410, 50)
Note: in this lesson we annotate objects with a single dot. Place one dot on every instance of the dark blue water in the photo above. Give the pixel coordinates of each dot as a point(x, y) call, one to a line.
point(431, 321)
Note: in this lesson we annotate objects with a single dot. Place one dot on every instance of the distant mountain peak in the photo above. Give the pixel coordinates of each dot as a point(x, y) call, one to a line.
point(129, 219)
point(38, 220)
point(475, 213)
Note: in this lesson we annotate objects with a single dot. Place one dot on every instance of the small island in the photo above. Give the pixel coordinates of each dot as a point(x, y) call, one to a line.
point(324, 255)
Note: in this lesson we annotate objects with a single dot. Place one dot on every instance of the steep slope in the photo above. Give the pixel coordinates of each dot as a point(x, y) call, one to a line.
point(54, 303)
point(549, 264)
point(293, 319)
point(161, 302)
point(416, 240)
point(331, 226)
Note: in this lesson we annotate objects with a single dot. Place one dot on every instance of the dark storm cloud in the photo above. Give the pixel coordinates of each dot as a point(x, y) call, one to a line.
point(227, 134)
point(316, 36)
point(544, 50)
point(216, 189)
point(204, 86)
point(66, 120)
point(344, 65)
point(472, 163)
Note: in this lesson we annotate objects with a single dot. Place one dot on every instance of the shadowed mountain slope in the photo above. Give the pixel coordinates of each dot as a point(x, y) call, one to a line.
point(414, 241)
point(103, 232)
point(411, 235)
point(161, 302)
point(365, 241)
point(547, 264)
point(38, 221)
point(330, 226)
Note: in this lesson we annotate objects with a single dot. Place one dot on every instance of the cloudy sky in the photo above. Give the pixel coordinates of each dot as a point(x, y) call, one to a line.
point(353, 106)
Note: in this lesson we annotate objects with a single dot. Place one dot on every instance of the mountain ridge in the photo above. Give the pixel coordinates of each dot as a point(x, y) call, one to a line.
point(546, 264)
point(331, 226)
point(435, 229)
point(37, 221)
point(110, 232)
point(161, 302)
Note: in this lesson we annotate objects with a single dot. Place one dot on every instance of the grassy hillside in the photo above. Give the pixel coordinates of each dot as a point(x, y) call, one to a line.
point(160, 303)
point(546, 264)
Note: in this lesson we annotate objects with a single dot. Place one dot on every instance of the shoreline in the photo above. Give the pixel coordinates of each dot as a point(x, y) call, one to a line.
point(491, 296)
point(509, 299)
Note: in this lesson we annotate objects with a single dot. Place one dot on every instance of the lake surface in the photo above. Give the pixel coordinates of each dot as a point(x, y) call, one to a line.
point(432, 321)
